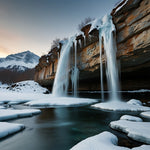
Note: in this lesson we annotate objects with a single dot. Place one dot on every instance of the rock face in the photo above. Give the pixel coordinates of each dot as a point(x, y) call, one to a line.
point(132, 21)
point(133, 42)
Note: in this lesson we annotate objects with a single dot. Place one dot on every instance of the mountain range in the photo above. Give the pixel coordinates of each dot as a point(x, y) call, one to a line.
point(18, 67)
point(19, 62)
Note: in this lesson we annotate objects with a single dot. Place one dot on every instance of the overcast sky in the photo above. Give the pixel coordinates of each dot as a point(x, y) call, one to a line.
point(34, 24)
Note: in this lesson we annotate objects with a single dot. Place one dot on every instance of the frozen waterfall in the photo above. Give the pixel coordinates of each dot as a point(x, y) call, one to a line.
point(106, 32)
point(61, 82)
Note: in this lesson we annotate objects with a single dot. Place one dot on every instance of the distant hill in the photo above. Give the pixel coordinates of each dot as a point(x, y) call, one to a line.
point(18, 67)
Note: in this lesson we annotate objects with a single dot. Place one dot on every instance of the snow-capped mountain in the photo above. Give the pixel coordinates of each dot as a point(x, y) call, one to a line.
point(19, 62)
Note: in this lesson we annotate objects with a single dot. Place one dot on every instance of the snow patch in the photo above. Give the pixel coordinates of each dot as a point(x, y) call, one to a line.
point(9, 128)
point(145, 114)
point(132, 105)
point(2, 107)
point(131, 118)
point(139, 131)
point(28, 86)
point(104, 141)
point(61, 101)
point(7, 114)
point(134, 102)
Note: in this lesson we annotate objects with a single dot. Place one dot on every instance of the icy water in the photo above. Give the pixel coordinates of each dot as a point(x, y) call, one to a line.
point(62, 128)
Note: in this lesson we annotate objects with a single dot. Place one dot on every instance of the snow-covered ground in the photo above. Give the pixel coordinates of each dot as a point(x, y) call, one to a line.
point(145, 114)
point(139, 131)
point(21, 92)
point(6, 114)
point(104, 141)
point(9, 128)
point(131, 118)
point(28, 86)
point(132, 105)
point(32, 93)
point(2, 107)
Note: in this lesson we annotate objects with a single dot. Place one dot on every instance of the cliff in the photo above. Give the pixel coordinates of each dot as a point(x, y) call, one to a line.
point(132, 21)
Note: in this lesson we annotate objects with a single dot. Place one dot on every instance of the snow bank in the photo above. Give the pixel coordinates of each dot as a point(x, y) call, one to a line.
point(9, 128)
point(61, 101)
point(2, 107)
point(6, 114)
point(132, 105)
point(134, 102)
point(104, 141)
point(22, 92)
point(131, 118)
point(143, 147)
point(28, 86)
point(139, 131)
point(21, 97)
point(145, 114)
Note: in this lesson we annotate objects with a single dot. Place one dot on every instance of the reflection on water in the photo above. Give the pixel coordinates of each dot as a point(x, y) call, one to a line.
point(60, 128)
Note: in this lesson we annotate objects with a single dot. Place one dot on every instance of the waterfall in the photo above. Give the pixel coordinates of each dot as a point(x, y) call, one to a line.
point(75, 73)
point(61, 81)
point(101, 69)
point(106, 31)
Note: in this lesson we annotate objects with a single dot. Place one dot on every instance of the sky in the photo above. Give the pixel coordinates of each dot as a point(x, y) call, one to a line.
point(34, 24)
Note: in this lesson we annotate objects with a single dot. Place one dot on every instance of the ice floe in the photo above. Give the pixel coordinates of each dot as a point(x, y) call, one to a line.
point(131, 118)
point(2, 107)
point(145, 114)
point(61, 101)
point(133, 105)
point(139, 131)
point(9, 128)
point(6, 114)
point(104, 141)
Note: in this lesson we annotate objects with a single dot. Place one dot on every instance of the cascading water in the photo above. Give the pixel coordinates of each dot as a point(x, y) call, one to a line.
point(101, 69)
point(61, 81)
point(75, 74)
point(106, 31)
